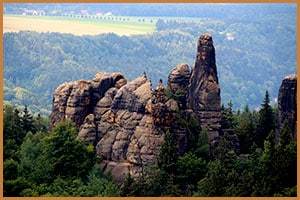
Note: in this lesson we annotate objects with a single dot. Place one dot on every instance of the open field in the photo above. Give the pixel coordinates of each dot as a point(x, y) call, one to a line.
point(117, 25)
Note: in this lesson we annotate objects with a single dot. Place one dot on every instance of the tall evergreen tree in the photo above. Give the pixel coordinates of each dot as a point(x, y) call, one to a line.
point(13, 133)
point(245, 130)
point(168, 155)
point(227, 119)
point(167, 164)
point(27, 121)
point(266, 121)
point(286, 159)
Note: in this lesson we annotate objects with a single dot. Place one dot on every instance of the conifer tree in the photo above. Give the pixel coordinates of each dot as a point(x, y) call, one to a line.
point(245, 130)
point(227, 120)
point(27, 121)
point(266, 121)
point(168, 155)
point(167, 164)
point(13, 133)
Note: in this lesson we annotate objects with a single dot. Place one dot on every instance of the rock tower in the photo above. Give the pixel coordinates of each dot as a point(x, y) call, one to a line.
point(287, 103)
point(204, 90)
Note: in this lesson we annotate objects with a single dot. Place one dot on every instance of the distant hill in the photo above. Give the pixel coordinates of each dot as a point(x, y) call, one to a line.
point(253, 52)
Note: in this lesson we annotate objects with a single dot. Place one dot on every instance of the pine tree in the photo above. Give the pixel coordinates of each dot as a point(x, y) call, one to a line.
point(168, 156)
point(27, 121)
point(286, 159)
point(245, 130)
point(266, 121)
point(227, 119)
point(13, 133)
point(167, 164)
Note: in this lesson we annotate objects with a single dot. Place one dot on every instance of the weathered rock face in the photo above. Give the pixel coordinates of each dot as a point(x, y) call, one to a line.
point(76, 100)
point(124, 121)
point(287, 103)
point(204, 90)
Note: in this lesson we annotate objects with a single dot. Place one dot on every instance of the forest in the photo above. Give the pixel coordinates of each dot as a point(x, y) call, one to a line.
point(254, 52)
point(40, 162)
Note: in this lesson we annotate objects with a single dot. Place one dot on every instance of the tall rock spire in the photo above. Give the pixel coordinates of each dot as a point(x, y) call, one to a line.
point(204, 90)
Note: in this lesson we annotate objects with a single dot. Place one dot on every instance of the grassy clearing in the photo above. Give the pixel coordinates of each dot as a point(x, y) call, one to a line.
point(79, 26)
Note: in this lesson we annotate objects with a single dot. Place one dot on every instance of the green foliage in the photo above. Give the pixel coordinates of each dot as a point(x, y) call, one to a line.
point(168, 154)
point(11, 169)
point(268, 172)
point(266, 121)
point(64, 152)
point(14, 187)
point(41, 123)
point(245, 130)
point(227, 120)
point(191, 169)
point(51, 163)
point(12, 127)
point(202, 146)
point(178, 96)
point(27, 121)
point(151, 182)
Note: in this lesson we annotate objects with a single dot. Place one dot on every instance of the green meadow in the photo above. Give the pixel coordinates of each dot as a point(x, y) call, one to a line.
point(80, 25)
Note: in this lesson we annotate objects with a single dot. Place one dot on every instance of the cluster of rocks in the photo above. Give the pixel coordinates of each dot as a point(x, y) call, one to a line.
point(126, 121)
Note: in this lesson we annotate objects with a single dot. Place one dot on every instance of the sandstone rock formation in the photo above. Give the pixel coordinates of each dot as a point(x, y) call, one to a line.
point(75, 100)
point(287, 103)
point(204, 90)
point(126, 121)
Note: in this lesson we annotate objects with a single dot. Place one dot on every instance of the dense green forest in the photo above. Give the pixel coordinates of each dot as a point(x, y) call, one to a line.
point(39, 162)
point(254, 52)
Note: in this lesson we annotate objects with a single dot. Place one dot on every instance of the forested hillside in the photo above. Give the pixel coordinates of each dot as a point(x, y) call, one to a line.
point(253, 52)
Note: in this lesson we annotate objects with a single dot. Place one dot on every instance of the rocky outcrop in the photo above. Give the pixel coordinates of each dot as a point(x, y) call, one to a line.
point(126, 121)
point(204, 90)
point(287, 103)
point(76, 100)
